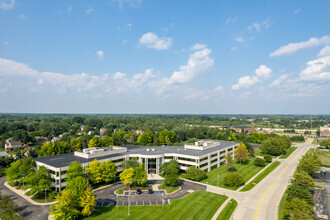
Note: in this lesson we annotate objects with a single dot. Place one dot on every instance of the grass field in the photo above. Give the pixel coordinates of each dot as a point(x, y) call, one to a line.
point(247, 171)
point(288, 153)
point(324, 156)
point(196, 205)
point(261, 176)
point(257, 152)
point(169, 189)
point(281, 206)
point(226, 213)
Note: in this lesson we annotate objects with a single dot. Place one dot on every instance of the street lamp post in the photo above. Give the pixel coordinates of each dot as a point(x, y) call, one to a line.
point(129, 198)
point(218, 181)
point(163, 200)
point(45, 194)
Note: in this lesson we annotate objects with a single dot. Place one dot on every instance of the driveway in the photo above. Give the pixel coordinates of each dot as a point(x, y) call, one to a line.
point(26, 209)
point(107, 197)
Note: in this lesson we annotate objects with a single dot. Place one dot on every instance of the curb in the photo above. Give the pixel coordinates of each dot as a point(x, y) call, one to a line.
point(25, 196)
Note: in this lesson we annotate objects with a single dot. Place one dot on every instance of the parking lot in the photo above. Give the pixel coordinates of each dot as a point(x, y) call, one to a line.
point(107, 197)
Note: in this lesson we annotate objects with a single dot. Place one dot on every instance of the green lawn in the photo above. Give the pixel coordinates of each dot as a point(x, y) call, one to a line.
point(258, 152)
point(169, 189)
point(288, 153)
point(226, 213)
point(119, 191)
point(261, 176)
point(196, 205)
point(281, 206)
point(324, 156)
point(247, 171)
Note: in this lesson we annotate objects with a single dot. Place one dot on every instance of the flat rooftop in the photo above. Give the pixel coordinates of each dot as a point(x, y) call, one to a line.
point(64, 160)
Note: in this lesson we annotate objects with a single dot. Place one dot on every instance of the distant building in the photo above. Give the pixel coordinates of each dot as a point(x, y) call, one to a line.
point(250, 120)
point(55, 139)
point(325, 131)
point(139, 132)
point(82, 127)
point(102, 130)
point(41, 139)
point(3, 154)
point(10, 144)
point(241, 129)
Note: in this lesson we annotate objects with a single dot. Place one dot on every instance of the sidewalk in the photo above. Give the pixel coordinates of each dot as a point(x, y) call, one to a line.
point(21, 193)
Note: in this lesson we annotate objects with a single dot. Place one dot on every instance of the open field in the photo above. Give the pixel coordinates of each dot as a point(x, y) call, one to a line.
point(324, 156)
point(196, 205)
point(288, 153)
point(261, 176)
point(226, 213)
point(247, 171)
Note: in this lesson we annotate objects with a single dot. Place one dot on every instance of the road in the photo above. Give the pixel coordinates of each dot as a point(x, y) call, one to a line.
point(26, 209)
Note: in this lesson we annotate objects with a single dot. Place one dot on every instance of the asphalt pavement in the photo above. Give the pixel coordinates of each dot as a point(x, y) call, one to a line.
point(26, 209)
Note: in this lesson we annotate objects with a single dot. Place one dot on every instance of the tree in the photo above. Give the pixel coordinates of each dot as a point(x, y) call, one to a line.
point(241, 153)
point(107, 141)
point(91, 143)
point(259, 162)
point(140, 176)
point(250, 149)
point(94, 172)
point(8, 207)
point(268, 158)
point(127, 176)
point(303, 179)
point(13, 171)
point(131, 163)
point(66, 206)
point(309, 163)
point(171, 173)
point(229, 158)
point(275, 145)
point(298, 209)
point(195, 174)
point(87, 202)
point(75, 144)
point(108, 171)
point(77, 186)
point(298, 191)
point(75, 169)
point(166, 164)
point(233, 179)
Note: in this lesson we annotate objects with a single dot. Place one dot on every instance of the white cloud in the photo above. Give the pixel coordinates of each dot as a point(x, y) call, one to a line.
point(297, 11)
point(263, 72)
point(230, 20)
point(119, 75)
point(294, 47)
point(245, 82)
point(12, 68)
point(198, 62)
point(132, 3)
point(198, 46)
point(278, 81)
point(7, 4)
point(254, 26)
point(318, 69)
point(22, 16)
point(219, 88)
point(90, 10)
point(100, 54)
point(325, 51)
point(151, 40)
point(240, 39)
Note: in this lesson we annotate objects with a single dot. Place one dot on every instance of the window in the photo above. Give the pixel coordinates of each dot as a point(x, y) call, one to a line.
point(187, 159)
point(168, 158)
point(205, 158)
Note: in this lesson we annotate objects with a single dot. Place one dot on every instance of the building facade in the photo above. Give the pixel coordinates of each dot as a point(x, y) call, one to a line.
point(204, 155)
point(325, 131)
point(10, 144)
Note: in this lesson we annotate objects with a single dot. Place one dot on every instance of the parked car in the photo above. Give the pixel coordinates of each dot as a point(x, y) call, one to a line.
point(138, 191)
point(150, 191)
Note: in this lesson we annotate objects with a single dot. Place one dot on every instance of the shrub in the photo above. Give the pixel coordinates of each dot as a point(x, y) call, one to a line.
point(268, 158)
point(195, 174)
point(231, 168)
point(259, 162)
point(233, 179)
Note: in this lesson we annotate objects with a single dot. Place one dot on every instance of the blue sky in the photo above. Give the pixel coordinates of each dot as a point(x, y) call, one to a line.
point(149, 56)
